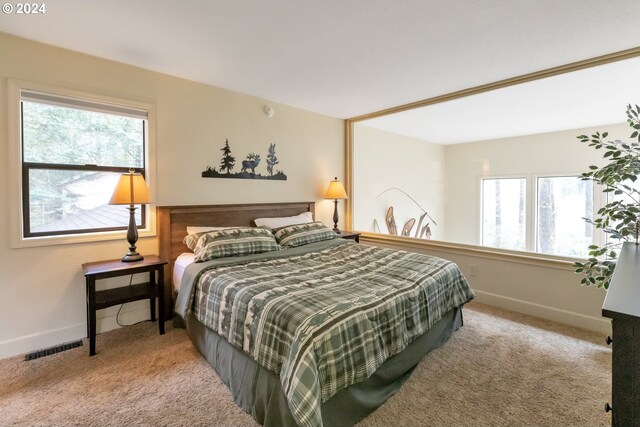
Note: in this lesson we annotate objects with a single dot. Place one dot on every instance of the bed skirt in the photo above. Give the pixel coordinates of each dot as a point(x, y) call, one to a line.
point(258, 391)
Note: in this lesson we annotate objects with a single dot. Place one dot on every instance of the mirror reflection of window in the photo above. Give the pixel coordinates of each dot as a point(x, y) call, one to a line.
point(561, 202)
point(503, 213)
point(498, 168)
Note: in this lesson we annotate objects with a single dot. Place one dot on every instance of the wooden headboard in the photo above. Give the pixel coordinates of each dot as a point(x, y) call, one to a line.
point(173, 222)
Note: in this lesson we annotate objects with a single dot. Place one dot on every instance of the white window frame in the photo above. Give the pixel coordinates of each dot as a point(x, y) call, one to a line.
point(531, 210)
point(15, 166)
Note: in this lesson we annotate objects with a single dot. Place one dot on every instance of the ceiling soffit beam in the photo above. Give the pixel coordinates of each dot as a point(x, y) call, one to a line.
point(536, 75)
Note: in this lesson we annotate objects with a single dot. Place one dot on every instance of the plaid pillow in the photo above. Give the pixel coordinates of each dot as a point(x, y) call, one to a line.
point(233, 242)
point(303, 234)
point(191, 240)
point(194, 234)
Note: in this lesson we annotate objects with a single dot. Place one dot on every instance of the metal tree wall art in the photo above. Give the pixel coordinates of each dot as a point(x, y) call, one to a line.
point(228, 161)
point(272, 160)
point(248, 166)
point(423, 232)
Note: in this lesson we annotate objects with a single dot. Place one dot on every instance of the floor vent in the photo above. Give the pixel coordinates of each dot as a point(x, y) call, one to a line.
point(52, 350)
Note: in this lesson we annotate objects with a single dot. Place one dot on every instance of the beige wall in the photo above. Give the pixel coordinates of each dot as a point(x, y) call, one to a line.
point(42, 288)
point(383, 160)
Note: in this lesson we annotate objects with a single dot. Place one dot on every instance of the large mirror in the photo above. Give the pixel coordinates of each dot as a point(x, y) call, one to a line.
point(498, 168)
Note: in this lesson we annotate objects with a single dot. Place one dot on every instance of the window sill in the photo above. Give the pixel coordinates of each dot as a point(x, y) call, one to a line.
point(530, 258)
point(32, 242)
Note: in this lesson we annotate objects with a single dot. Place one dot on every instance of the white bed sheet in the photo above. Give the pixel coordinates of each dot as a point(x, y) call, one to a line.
point(182, 262)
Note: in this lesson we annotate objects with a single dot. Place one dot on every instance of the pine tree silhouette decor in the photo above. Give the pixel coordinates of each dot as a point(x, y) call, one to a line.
point(250, 166)
point(228, 161)
point(272, 160)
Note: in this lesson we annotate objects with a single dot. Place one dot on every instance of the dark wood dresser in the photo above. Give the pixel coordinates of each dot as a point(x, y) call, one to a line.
point(622, 306)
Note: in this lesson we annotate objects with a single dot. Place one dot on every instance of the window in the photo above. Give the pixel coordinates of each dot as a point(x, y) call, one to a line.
point(73, 152)
point(503, 213)
point(562, 203)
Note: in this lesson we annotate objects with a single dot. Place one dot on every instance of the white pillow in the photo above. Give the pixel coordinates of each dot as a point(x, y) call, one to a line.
point(283, 221)
point(194, 230)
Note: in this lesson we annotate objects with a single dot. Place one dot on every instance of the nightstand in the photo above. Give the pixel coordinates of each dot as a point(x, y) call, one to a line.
point(98, 300)
point(351, 235)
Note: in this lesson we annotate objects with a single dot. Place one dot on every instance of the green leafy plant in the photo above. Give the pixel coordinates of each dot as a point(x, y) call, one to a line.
point(620, 217)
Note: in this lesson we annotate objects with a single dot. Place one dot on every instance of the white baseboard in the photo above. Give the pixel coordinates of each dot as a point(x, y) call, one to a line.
point(40, 340)
point(127, 317)
point(140, 311)
point(592, 323)
point(53, 337)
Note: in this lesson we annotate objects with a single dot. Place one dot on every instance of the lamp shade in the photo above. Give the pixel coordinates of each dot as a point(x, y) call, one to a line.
point(130, 190)
point(336, 190)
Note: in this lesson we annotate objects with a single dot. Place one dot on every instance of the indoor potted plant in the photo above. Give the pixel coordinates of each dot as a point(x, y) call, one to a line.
point(619, 218)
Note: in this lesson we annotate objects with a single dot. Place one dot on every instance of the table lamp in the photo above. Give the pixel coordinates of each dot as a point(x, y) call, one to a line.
point(335, 192)
point(131, 190)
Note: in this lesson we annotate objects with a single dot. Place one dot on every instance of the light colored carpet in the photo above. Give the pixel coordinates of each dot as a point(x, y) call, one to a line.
point(500, 369)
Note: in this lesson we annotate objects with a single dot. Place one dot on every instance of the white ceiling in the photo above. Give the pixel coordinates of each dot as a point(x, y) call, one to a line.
point(342, 58)
point(591, 97)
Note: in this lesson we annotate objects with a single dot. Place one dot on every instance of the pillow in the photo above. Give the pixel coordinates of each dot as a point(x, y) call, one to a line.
point(194, 234)
point(283, 221)
point(194, 230)
point(303, 234)
point(233, 242)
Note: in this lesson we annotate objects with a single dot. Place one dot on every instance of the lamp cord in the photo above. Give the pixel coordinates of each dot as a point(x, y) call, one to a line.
point(120, 309)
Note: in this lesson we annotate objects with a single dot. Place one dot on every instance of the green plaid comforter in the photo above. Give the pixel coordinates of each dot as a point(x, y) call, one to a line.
point(327, 319)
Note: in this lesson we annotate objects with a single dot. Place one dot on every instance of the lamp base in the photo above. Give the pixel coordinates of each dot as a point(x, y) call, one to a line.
point(130, 257)
point(132, 238)
point(335, 216)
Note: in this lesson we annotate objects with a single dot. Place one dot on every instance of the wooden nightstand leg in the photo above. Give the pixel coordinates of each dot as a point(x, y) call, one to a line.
point(152, 300)
point(88, 309)
point(91, 314)
point(161, 299)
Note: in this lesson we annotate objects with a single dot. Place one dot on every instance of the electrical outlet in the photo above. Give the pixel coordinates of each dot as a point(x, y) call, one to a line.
point(473, 270)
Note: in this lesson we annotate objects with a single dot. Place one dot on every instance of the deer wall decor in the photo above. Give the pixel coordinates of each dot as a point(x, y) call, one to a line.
point(252, 163)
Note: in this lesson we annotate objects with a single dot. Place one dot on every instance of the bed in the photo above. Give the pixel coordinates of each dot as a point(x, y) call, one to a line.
point(314, 344)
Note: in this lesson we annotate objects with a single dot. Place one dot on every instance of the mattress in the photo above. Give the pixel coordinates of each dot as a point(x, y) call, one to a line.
point(259, 393)
point(182, 262)
point(323, 316)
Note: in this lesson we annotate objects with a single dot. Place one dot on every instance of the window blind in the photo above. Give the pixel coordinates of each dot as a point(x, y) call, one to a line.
point(84, 104)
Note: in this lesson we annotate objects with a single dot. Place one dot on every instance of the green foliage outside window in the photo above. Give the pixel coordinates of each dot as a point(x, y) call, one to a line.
point(54, 134)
